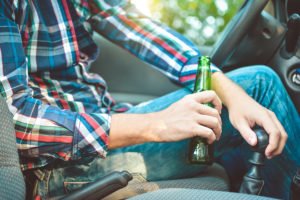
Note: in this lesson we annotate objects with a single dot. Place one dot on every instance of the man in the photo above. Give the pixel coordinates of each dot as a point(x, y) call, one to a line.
point(64, 113)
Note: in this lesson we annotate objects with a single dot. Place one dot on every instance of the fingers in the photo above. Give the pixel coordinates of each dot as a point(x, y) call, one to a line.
point(206, 110)
point(271, 152)
point(247, 133)
point(274, 134)
point(212, 123)
point(208, 119)
point(209, 97)
point(205, 132)
point(277, 134)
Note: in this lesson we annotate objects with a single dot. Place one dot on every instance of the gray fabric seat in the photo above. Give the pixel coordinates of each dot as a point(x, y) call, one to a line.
point(192, 194)
point(215, 178)
point(11, 178)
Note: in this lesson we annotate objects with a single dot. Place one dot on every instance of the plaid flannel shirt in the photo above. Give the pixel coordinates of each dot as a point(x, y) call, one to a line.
point(60, 110)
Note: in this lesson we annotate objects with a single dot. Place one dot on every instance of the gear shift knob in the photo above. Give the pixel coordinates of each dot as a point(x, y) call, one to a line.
point(262, 141)
point(252, 182)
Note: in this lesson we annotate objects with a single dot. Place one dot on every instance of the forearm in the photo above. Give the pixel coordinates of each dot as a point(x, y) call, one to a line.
point(131, 129)
point(228, 91)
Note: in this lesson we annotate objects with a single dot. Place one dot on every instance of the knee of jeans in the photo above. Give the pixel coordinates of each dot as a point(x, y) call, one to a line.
point(266, 73)
point(257, 80)
point(265, 76)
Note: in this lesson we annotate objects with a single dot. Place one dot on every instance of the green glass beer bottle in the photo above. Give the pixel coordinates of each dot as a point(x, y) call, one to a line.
point(200, 152)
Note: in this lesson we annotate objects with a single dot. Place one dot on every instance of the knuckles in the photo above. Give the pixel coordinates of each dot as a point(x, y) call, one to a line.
point(194, 130)
point(271, 113)
point(210, 134)
point(285, 137)
point(215, 122)
point(276, 134)
point(215, 112)
point(211, 92)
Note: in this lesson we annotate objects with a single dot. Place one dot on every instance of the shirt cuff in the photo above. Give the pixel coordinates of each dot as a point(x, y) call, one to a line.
point(91, 135)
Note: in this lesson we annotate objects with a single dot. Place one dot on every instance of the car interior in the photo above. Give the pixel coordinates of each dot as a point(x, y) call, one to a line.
point(262, 32)
point(256, 35)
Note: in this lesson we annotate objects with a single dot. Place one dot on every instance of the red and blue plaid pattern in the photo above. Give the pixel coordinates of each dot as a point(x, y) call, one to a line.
point(61, 111)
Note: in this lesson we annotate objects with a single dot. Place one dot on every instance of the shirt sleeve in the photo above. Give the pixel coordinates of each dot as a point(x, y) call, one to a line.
point(152, 42)
point(44, 133)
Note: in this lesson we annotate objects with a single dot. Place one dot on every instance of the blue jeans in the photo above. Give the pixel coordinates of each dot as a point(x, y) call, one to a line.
point(158, 161)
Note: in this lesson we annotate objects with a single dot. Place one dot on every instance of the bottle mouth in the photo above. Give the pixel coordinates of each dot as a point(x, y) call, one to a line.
point(204, 61)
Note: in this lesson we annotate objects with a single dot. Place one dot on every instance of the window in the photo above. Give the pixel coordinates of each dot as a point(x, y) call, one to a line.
point(202, 21)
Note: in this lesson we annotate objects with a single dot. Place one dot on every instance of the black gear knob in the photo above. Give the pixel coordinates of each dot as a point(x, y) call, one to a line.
point(262, 141)
point(252, 182)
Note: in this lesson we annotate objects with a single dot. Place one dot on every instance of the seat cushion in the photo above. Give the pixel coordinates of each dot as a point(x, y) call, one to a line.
point(11, 179)
point(215, 178)
point(192, 194)
point(12, 183)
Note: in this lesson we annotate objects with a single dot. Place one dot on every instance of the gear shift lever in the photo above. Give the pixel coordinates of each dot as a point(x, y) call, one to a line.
point(252, 182)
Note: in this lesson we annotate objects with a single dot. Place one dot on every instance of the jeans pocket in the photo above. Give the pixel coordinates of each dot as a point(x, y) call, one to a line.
point(71, 186)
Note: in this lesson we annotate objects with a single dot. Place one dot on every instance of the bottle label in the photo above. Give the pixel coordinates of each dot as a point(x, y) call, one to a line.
point(200, 152)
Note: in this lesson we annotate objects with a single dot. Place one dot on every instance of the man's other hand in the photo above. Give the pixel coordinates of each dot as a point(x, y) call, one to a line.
point(245, 114)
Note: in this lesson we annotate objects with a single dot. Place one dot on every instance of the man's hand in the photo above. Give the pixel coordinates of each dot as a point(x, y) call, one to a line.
point(184, 119)
point(189, 117)
point(245, 114)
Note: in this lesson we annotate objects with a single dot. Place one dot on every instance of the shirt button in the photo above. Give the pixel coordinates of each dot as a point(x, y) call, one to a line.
point(68, 27)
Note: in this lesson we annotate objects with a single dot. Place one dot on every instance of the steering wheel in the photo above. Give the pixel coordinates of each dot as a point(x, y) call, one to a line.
point(235, 31)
